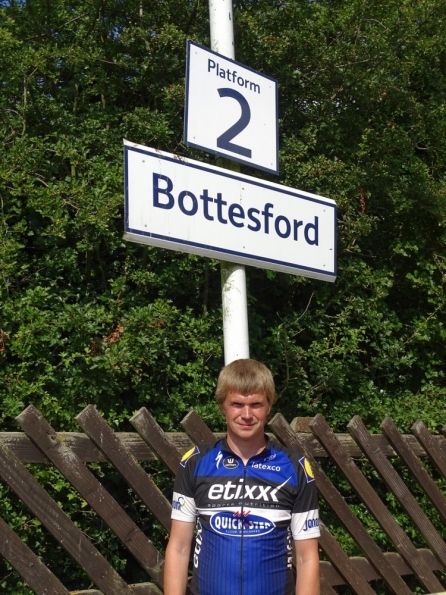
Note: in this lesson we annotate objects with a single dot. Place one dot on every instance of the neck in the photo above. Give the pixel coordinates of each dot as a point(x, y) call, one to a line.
point(246, 449)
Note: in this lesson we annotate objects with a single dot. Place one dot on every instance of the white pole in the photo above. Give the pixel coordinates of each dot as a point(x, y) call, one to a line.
point(221, 26)
point(235, 311)
point(233, 276)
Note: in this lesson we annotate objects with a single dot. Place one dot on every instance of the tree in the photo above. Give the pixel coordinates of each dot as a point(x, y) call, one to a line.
point(362, 121)
point(88, 318)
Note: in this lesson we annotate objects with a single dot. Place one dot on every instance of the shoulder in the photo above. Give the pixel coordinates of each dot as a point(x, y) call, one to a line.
point(284, 453)
point(196, 454)
point(295, 458)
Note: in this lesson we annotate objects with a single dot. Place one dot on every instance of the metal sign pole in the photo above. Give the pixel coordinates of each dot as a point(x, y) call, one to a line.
point(233, 276)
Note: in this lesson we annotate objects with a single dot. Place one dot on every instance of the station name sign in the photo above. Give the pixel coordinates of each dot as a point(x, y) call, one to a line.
point(185, 205)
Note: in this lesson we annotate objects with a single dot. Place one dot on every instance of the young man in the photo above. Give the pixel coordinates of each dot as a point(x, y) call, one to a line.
point(250, 499)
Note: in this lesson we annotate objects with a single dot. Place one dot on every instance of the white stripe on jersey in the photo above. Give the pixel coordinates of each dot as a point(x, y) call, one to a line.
point(305, 525)
point(276, 516)
point(183, 508)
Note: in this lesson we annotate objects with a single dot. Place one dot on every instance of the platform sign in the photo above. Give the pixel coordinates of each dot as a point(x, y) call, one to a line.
point(231, 110)
point(185, 205)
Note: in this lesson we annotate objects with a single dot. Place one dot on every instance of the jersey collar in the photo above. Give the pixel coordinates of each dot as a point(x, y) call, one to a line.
point(265, 452)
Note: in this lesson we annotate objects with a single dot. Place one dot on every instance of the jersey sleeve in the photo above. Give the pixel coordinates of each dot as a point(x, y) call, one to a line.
point(183, 502)
point(305, 513)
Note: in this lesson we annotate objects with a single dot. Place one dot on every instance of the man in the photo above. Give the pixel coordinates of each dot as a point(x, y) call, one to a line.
point(250, 499)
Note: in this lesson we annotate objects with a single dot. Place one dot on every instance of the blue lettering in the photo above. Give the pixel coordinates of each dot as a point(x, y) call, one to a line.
point(287, 231)
point(256, 222)
point(266, 213)
point(311, 523)
point(232, 214)
point(312, 226)
point(220, 203)
point(182, 195)
point(206, 200)
point(167, 191)
point(297, 224)
point(189, 205)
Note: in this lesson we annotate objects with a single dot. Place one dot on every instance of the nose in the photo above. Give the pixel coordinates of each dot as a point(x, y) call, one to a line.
point(246, 412)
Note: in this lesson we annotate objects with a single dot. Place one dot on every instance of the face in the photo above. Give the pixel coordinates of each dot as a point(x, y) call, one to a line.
point(246, 415)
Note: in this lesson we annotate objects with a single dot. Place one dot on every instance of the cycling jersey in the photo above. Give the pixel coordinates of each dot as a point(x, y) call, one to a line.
point(247, 516)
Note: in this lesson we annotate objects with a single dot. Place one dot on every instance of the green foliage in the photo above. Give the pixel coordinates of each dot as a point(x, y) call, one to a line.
point(87, 318)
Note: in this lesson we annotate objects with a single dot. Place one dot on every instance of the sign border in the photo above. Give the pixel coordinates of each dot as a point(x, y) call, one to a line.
point(161, 241)
point(216, 152)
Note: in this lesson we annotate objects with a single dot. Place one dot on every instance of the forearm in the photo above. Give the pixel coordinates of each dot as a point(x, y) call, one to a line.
point(307, 567)
point(307, 582)
point(175, 570)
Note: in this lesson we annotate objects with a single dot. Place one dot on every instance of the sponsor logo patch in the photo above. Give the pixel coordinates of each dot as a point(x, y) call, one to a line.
point(307, 469)
point(236, 525)
point(233, 491)
point(230, 463)
point(271, 457)
point(266, 467)
point(187, 455)
point(178, 504)
point(311, 523)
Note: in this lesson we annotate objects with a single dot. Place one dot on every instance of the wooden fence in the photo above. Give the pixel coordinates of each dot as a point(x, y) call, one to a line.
point(400, 462)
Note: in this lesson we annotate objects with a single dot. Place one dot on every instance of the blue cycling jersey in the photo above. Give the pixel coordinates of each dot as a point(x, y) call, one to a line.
point(247, 517)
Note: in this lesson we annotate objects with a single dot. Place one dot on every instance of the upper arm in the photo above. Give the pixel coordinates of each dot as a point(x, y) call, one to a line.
point(177, 557)
point(181, 535)
point(307, 550)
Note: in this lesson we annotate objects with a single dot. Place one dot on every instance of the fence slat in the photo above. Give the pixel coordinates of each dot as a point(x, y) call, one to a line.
point(325, 587)
point(312, 444)
point(123, 450)
point(415, 466)
point(27, 564)
point(343, 564)
point(40, 431)
point(197, 430)
point(27, 452)
point(103, 436)
point(362, 487)
point(20, 445)
point(138, 589)
point(364, 567)
point(154, 436)
point(331, 495)
point(398, 488)
point(60, 526)
point(431, 446)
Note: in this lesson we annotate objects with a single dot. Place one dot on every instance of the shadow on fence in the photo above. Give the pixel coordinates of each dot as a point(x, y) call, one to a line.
point(398, 460)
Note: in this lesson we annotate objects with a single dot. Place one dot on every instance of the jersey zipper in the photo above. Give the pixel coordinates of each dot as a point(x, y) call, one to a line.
point(242, 538)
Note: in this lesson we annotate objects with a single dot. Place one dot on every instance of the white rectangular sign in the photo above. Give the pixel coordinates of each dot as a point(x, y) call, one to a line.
point(231, 110)
point(181, 204)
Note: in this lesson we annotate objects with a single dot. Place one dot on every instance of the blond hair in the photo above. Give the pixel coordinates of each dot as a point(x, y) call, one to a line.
point(246, 377)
